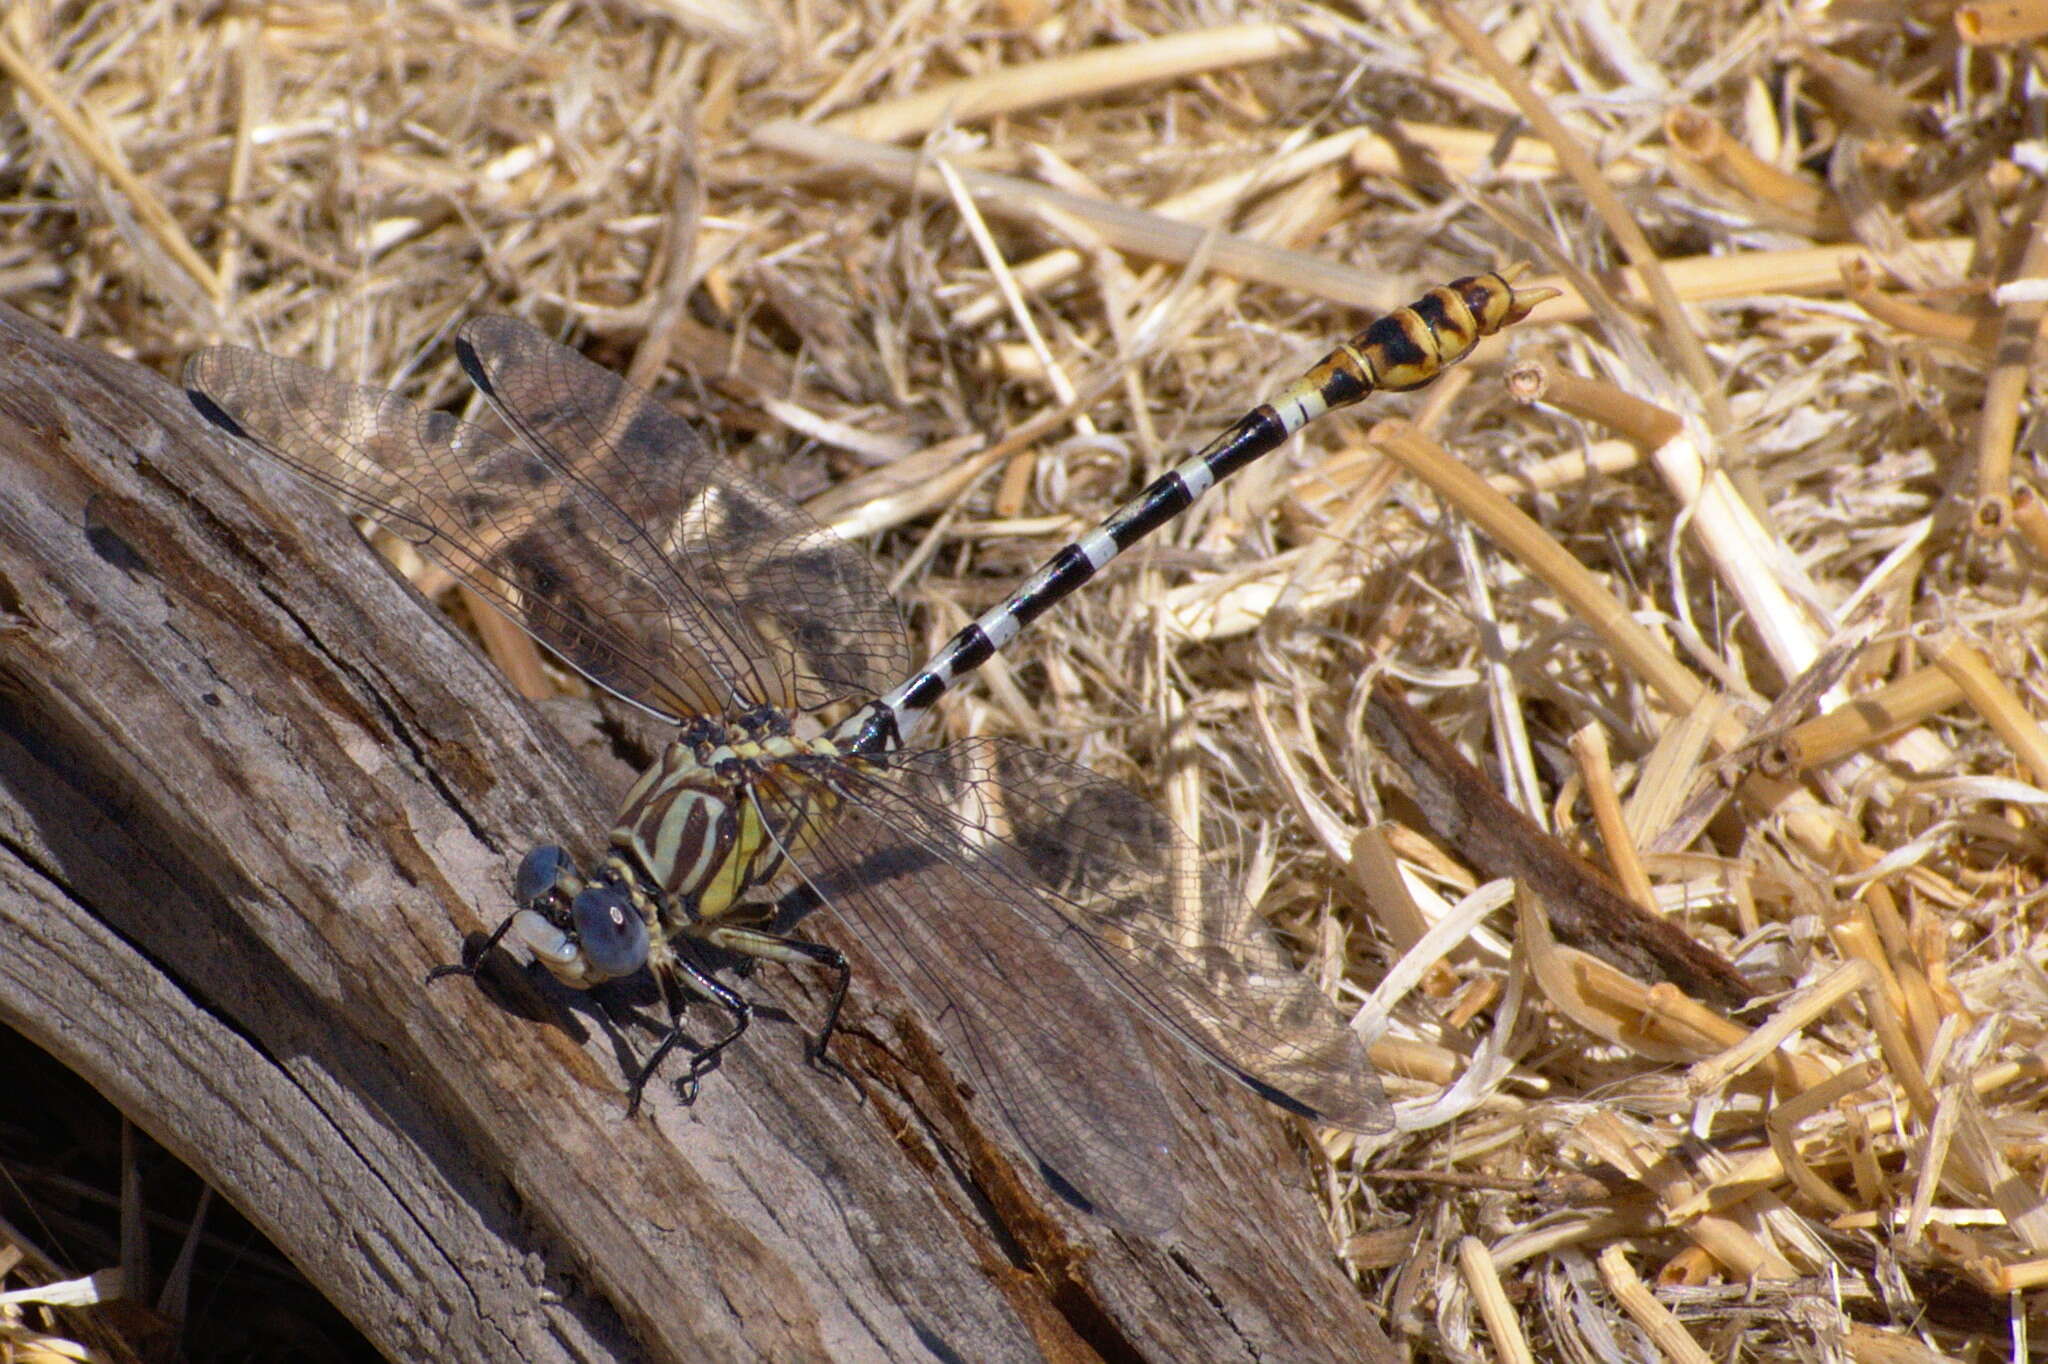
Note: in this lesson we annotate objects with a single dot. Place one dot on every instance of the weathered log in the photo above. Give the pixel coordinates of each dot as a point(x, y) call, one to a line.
point(252, 788)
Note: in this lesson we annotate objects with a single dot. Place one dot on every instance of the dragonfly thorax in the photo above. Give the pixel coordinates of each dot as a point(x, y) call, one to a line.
point(694, 829)
point(690, 843)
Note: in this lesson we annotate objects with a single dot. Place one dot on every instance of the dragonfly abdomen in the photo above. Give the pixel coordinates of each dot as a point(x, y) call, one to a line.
point(1405, 349)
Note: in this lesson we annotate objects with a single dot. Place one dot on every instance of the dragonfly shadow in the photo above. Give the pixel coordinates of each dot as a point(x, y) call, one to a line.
point(517, 987)
point(821, 890)
point(617, 1008)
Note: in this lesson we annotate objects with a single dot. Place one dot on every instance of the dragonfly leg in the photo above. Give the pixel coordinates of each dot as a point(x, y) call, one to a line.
point(724, 996)
point(755, 942)
point(475, 963)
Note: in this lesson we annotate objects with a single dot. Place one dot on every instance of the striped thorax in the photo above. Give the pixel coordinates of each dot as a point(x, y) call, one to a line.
point(693, 829)
point(692, 848)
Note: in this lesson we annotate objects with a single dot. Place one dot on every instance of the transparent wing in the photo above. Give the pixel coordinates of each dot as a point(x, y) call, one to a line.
point(621, 553)
point(1056, 853)
point(766, 580)
point(1025, 1013)
point(1026, 904)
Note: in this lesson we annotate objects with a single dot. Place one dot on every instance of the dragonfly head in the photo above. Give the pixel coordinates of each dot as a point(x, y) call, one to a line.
point(545, 874)
point(585, 933)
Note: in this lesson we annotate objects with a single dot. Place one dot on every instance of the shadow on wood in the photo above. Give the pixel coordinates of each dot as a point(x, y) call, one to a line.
point(252, 788)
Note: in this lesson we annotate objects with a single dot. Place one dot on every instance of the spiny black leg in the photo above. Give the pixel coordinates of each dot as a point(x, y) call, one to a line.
point(726, 998)
point(760, 943)
point(833, 960)
point(475, 964)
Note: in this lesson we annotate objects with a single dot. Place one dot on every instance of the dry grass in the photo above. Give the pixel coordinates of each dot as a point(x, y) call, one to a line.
point(1814, 496)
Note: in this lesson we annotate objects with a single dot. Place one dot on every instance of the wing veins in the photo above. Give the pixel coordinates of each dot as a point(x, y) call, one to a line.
point(1164, 980)
point(1120, 1129)
point(634, 533)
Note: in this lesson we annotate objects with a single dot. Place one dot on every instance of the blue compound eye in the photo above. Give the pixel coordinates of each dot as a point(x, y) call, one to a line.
point(543, 871)
point(610, 931)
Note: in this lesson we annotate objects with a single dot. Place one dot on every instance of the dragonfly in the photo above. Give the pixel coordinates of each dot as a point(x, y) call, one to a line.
point(1029, 908)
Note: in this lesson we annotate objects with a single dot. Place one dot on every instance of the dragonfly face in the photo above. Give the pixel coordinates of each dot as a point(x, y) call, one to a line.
point(1027, 906)
point(585, 934)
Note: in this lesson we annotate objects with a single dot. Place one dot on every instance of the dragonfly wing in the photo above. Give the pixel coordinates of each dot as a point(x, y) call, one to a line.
point(624, 604)
point(1024, 1014)
point(1078, 857)
point(760, 577)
